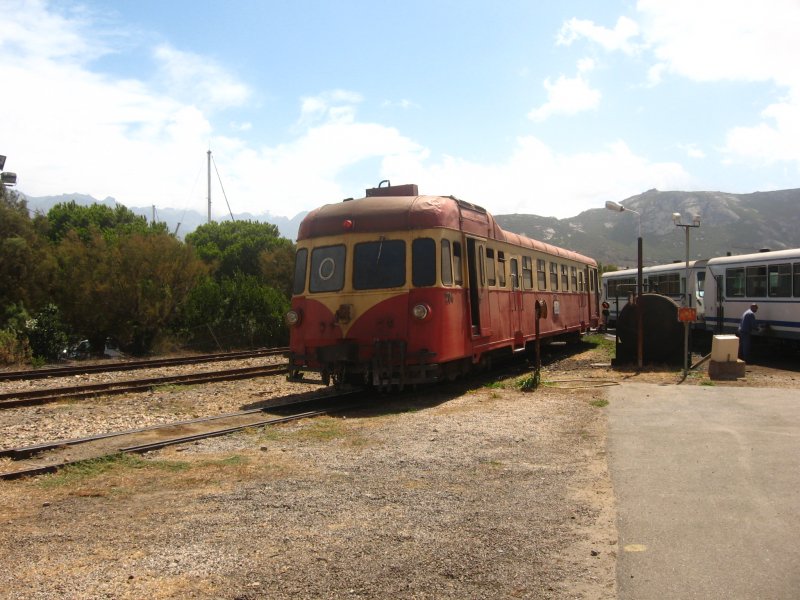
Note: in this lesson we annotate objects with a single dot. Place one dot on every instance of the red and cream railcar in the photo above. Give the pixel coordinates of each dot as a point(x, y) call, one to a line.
point(397, 288)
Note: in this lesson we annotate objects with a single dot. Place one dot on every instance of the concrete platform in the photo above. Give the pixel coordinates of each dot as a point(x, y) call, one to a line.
point(727, 369)
point(707, 483)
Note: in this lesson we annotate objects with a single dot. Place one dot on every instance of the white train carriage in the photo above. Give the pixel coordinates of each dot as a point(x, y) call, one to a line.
point(667, 280)
point(769, 279)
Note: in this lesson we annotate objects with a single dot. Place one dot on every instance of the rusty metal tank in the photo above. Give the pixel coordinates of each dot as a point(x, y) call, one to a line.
point(663, 333)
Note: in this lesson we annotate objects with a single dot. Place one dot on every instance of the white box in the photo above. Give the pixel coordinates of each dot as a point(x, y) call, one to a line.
point(724, 348)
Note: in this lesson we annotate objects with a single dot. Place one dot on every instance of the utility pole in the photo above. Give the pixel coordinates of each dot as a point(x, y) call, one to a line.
point(676, 218)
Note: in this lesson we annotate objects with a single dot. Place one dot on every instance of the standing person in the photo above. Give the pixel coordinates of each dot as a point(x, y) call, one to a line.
point(604, 321)
point(746, 327)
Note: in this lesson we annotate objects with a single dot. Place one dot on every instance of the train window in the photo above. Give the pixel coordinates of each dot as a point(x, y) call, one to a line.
point(541, 275)
point(780, 280)
point(423, 262)
point(327, 269)
point(380, 264)
point(620, 288)
point(300, 263)
point(796, 273)
point(447, 266)
point(527, 272)
point(501, 268)
point(756, 281)
point(668, 284)
point(514, 274)
point(734, 282)
point(490, 270)
point(573, 279)
point(457, 277)
point(581, 284)
point(564, 278)
point(481, 259)
point(701, 284)
point(553, 276)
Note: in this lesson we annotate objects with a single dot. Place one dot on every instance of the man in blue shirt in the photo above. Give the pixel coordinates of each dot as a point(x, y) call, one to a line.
point(746, 328)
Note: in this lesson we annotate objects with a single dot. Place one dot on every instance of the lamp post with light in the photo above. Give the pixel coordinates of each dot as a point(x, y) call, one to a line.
point(617, 207)
point(676, 218)
point(6, 179)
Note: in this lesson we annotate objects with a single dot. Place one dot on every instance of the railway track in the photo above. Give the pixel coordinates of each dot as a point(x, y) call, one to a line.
point(135, 364)
point(47, 395)
point(48, 457)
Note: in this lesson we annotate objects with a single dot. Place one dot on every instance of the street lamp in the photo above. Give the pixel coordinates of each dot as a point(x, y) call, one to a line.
point(7, 179)
point(617, 207)
point(676, 218)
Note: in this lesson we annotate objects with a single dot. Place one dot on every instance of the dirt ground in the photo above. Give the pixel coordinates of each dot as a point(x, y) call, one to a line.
point(461, 491)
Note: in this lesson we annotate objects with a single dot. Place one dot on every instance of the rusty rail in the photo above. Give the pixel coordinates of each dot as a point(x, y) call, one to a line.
point(133, 365)
point(44, 396)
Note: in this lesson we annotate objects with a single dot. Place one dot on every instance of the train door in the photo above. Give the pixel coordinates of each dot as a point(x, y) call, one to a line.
point(477, 291)
point(590, 279)
point(720, 301)
point(516, 301)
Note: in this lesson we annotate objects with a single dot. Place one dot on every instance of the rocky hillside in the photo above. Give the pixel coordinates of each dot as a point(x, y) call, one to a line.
point(735, 223)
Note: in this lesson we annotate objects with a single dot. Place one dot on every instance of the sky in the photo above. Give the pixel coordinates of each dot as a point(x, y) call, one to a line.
point(520, 106)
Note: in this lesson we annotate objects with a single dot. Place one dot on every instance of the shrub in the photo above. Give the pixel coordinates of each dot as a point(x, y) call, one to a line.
point(13, 349)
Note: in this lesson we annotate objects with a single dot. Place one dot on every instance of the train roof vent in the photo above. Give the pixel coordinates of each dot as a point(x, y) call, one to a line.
point(765, 249)
point(469, 205)
point(409, 189)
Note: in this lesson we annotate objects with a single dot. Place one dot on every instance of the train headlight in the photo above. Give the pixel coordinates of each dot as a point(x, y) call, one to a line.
point(421, 311)
point(293, 317)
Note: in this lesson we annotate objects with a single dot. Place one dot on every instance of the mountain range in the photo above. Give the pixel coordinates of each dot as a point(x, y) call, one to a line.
point(179, 221)
point(729, 223)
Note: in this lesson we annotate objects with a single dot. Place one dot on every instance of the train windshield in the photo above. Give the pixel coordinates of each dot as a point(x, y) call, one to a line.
point(380, 264)
point(327, 269)
point(300, 260)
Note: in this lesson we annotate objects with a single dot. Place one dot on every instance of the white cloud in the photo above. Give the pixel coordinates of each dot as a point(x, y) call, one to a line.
point(740, 41)
point(586, 65)
point(717, 40)
point(563, 185)
point(339, 105)
point(198, 80)
point(619, 38)
point(655, 74)
point(567, 96)
point(776, 139)
point(69, 129)
point(692, 150)
point(403, 104)
point(29, 29)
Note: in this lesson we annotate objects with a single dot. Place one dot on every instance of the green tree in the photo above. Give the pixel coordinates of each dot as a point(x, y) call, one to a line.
point(70, 216)
point(46, 333)
point(277, 266)
point(127, 287)
point(234, 246)
point(155, 276)
point(235, 311)
point(27, 266)
point(606, 268)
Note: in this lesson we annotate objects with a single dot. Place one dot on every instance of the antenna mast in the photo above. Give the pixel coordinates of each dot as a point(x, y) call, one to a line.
point(209, 186)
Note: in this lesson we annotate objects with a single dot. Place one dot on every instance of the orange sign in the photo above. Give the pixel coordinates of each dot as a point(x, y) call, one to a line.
point(687, 314)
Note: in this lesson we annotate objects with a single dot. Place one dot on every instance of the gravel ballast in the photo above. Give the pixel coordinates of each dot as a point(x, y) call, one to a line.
point(450, 494)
